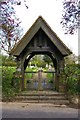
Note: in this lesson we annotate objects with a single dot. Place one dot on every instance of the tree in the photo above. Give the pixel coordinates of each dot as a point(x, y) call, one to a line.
point(70, 16)
point(38, 61)
point(47, 59)
point(9, 24)
point(8, 61)
point(71, 59)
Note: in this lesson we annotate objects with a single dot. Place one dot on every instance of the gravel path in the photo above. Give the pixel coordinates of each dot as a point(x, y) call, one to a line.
point(32, 110)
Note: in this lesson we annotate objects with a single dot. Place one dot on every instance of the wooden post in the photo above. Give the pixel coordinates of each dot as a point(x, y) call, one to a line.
point(53, 78)
point(62, 86)
point(61, 76)
point(18, 72)
point(22, 72)
point(57, 75)
point(57, 81)
point(40, 80)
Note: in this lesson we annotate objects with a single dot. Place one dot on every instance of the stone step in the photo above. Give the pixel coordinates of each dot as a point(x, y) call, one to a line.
point(57, 102)
point(40, 94)
point(42, 97)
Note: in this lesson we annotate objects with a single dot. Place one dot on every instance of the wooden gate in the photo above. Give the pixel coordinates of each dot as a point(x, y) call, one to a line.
point(40, 80)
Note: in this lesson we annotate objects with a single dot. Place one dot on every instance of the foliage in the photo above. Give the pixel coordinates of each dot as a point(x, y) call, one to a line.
point(31, 69)
point(71, 59)
point(50, 76)
point(47, 59)
point(50, 81)
point(38, 63)
point(41, 61)
point(79, 59)
point(28, 81)
point(28, 75)
point(72, 73)
point(70, 16)
point(9, 24)
point(7, 89)
point(8, 61)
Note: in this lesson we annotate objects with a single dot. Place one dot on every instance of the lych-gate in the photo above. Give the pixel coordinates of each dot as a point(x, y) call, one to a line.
point(40, 39)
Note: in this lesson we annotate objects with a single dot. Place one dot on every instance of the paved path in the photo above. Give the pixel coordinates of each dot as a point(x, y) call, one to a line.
point(32, 110)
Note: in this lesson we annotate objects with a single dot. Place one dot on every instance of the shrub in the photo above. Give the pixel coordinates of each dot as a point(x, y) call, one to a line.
point(7, 89)
point(8, 61)
point(71, 73)
point(50, 76)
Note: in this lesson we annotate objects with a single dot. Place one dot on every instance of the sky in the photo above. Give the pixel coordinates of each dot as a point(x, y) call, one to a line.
point(51, 11)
